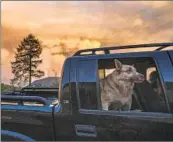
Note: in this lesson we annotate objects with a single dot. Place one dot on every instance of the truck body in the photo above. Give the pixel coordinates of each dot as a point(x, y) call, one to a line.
point(76, 112)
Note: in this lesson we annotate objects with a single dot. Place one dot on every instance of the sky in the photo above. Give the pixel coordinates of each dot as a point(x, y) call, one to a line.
point(80, 25)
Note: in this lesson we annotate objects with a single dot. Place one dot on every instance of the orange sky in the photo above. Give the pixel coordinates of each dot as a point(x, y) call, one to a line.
point(84, 24)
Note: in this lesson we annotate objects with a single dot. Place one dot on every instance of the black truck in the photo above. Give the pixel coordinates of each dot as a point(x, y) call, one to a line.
point(76, 113)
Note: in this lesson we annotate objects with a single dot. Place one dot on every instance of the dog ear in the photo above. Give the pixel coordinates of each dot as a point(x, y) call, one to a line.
point(118, 64)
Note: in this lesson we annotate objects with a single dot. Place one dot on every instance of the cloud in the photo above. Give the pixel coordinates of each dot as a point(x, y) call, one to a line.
point(80, 25)
point(53, 56)
point(5, 65)
point(12, 36)
point(4, 56)
point(156, 4)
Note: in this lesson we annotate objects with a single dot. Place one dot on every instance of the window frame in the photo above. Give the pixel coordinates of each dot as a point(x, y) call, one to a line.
point(123, 56)
point(160, 76)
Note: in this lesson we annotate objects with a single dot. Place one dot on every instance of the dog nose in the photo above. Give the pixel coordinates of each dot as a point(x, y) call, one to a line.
point(141, 76)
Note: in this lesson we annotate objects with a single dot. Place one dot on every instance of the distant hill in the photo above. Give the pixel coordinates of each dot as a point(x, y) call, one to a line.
point(48, 82)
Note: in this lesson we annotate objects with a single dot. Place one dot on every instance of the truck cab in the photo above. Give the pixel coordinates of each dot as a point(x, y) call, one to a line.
point(77, 114)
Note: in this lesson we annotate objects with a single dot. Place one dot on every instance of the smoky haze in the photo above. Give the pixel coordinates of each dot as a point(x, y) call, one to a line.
point(72, 25)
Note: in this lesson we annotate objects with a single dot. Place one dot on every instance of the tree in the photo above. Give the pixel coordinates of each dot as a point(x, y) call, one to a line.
point(27, 60)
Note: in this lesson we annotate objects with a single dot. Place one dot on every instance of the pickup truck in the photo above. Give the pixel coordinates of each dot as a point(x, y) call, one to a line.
point(76, 112)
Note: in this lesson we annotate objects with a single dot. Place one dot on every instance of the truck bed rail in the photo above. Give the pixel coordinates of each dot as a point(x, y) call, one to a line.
point(24, 98)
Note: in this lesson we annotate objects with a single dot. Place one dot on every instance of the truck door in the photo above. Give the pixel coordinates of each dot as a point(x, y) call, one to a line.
point(85, 98)
point(150, 116)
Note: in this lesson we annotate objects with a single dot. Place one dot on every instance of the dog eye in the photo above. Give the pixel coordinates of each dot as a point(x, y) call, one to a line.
point(129, 70)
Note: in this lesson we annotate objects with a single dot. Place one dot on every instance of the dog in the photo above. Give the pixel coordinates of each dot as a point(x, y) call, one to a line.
point(117, 87)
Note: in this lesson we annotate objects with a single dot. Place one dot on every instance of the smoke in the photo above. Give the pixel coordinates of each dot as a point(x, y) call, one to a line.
point(55, 53)
point(6, 57)
point(69, 26)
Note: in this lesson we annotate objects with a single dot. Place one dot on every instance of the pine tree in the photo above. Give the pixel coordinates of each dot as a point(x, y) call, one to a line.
point(27, 60)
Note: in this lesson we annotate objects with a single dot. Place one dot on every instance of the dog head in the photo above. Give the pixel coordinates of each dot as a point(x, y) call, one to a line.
point(127, 73)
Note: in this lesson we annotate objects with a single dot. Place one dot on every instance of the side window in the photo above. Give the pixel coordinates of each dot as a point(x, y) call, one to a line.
point(131, 84)
point(87, 76)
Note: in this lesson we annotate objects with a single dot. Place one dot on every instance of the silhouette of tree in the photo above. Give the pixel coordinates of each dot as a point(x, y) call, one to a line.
point(27, 60)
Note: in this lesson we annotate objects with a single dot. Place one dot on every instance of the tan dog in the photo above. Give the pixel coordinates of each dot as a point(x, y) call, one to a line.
point(117, 87)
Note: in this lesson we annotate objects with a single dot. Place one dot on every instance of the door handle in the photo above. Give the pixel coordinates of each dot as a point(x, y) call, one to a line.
point(86, 130)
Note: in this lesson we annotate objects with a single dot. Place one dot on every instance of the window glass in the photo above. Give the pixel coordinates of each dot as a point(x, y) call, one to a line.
point(87, 84)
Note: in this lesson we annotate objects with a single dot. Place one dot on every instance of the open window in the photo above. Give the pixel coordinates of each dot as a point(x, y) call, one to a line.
point(146, 96)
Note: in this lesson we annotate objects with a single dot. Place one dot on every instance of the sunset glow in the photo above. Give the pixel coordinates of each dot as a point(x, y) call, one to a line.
point(81, 25)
